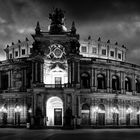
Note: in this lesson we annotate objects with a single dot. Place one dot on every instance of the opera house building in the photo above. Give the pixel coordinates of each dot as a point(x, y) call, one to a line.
point(58, 80)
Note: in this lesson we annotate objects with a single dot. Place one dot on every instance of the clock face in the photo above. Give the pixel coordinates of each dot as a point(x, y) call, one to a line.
point(56, 51)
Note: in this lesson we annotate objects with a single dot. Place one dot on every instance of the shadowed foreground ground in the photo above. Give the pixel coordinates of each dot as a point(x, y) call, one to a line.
point(79, 134)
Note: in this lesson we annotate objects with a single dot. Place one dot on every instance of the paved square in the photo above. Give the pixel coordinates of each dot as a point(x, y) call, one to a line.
point(77, 134)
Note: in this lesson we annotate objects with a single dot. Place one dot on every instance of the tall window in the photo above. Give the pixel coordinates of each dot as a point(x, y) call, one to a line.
point(115, 82)
point(10, 55)
point(112, 53)
point(85, 80)
point(84, 49)
point(127, 84)
point(16, 53)
point(101, 81)
point(103, 51)
point(94, 50)
point(119, 55)
point(58, 81)
point(23, 51)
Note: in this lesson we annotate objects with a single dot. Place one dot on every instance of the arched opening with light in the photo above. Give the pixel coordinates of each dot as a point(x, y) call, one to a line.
point(54, 111)
point(85, 112)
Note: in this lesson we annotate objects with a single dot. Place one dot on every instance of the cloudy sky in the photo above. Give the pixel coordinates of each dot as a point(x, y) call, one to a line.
point(117, 20)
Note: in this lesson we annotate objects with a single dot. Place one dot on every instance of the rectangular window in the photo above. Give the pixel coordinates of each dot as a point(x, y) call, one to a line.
point(94, 50)
point(112, 53)
point(58, 81)
point(30, 51)
point(119, 56)
point(84, 49)
point(10, 55)
point(103, 52)
point(23, 52)
point(16, 53)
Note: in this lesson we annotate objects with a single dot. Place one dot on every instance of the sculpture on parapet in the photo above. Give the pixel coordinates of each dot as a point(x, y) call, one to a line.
point(57, 22)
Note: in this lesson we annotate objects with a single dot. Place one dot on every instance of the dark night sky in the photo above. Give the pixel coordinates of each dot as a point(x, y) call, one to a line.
point(117, 20)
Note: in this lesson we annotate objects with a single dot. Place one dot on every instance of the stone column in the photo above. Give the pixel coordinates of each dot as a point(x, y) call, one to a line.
point(69, 72)
point(79, 72)
point(73, 72)
point(25, 77)
point(108, 80)
point(122, 82)
point(133, 85)
point(9, 79)
point(95, 79)
point(36, 72)
point(0, 80)
point(41, 74)
point(92, 79)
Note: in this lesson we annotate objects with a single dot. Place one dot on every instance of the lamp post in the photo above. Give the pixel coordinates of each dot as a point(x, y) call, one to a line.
point(29, 111)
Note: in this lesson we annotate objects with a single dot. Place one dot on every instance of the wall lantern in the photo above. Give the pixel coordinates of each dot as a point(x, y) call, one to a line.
point(138, 112)
point(114, 110)
point(98, 110)
point(30, 110)
point(17, 109)
point(129, 110)
point(3, 109)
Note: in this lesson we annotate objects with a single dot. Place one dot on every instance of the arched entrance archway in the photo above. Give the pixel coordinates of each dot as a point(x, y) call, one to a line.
point(100, 115)
point(85, 112)
point(115, 115)
point(54, 111)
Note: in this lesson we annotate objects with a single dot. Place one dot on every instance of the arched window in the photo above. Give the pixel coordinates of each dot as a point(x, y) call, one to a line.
point(101, 81)
point(115, 82)
point(137, 83)
point(127, 84)
point(85, 80)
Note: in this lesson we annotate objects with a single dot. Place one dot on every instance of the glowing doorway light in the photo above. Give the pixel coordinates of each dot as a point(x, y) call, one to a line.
point(52, 104)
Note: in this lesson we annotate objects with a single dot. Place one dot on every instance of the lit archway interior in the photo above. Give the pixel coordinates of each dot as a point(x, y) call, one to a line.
point(54, 111)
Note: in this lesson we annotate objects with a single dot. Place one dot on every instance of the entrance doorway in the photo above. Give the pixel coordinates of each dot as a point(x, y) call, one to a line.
point(54, 110)
point(85, 112)
point(58, 116)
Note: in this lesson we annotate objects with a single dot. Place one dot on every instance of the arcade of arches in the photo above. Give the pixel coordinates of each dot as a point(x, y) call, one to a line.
point(116, 84)
point(103, 115)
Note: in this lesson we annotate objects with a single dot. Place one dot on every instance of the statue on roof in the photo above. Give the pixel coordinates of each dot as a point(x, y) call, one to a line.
point(57, 22)
point(57, 17)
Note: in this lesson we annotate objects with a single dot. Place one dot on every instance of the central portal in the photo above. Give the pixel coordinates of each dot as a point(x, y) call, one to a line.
point(54, 111)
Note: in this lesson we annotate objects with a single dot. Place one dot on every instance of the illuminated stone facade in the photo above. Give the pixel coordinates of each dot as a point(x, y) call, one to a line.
point(59, 81)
